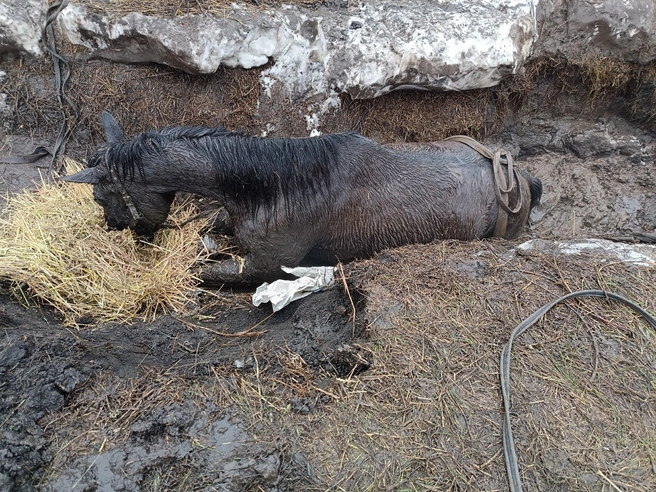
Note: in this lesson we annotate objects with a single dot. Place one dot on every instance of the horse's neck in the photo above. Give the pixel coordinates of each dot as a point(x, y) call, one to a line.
point(218, 172)
point(188, 173)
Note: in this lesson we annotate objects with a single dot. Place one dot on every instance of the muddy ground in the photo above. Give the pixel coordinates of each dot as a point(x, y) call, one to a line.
point(386, 382)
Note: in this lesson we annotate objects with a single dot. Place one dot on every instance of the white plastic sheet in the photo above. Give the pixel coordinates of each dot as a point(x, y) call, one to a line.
point(282, 292)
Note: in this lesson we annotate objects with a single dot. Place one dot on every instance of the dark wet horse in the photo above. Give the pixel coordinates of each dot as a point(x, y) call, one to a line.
point(313, 200)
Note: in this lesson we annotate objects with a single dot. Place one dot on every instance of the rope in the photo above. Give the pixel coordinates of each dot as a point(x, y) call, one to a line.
point(62, 74)
point(503, 185)
point(508, 442)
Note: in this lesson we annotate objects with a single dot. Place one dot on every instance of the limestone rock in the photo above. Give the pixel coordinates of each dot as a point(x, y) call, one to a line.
point(20, 27)
point(366, 50)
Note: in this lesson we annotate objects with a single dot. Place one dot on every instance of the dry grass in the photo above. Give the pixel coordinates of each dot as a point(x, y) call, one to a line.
point(173, 8)
point(140, 97)
point(422, 116)
point(146, 97)
point(598, 83)
point(427, 415)
point(54, 247)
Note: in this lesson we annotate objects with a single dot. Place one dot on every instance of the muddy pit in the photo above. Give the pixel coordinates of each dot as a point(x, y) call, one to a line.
point(387, 382)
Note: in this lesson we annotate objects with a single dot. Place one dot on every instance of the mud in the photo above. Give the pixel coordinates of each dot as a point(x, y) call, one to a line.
point(41, 365)
point(596, 196)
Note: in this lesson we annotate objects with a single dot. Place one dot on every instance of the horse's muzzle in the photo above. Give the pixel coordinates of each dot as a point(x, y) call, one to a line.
point(142, 229)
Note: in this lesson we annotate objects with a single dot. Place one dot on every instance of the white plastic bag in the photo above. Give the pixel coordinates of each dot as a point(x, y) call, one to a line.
point(282, 292)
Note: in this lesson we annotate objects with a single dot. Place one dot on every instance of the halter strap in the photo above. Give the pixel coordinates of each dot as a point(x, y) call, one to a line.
point(135, 215)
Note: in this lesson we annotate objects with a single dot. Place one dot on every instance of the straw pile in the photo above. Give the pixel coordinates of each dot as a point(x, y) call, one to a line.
point(54, 247)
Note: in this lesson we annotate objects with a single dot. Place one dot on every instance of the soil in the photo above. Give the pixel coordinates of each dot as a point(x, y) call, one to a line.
point(45, 367)
point(386, 382)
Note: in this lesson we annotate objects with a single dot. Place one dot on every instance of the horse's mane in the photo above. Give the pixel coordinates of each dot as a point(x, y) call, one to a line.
point(252, 170)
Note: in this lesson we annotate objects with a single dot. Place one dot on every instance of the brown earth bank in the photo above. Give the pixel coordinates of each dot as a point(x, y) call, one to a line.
point(388, 381)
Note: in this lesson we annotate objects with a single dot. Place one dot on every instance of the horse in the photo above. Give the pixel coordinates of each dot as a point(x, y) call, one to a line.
point(318, 200)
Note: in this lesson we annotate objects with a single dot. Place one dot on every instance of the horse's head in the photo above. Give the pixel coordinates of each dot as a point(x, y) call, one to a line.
point(126, 200)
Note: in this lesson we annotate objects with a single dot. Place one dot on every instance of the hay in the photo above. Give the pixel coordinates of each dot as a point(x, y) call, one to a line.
point(54, 247)
point(176, 8)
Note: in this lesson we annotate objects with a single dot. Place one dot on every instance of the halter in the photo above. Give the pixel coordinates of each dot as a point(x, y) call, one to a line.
point(135, 215)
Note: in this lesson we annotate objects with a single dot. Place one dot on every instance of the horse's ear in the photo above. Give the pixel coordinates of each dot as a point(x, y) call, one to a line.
point(90, 175)
point(113, 131)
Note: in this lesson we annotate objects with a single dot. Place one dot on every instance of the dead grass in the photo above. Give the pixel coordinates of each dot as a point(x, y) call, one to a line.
point(421, 116)
point(143, 98)
point(426, 416)
point(140, 97)
point(55, 248)
point(597, 83)
point(174, 8)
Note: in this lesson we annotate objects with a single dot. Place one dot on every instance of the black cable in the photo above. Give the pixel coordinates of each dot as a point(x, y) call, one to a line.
point(508, 443)
point(62, 74)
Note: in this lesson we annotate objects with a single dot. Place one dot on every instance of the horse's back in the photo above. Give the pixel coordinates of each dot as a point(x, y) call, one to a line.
point(407, 193)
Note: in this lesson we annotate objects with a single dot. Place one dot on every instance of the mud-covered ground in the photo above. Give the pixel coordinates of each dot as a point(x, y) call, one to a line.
point(386, 382)
point(45, 366)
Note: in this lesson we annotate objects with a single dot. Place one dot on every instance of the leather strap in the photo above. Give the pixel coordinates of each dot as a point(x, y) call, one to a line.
point(503, 184)
point(37, 154)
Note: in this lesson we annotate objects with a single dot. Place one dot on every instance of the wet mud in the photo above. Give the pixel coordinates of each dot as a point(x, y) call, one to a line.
point(41, 365)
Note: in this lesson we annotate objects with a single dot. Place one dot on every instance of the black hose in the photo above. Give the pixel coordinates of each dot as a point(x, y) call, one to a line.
point(508, 443)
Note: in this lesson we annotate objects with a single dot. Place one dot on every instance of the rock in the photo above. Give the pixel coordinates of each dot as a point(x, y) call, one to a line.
point(20, 27)
point(365, 51)
point(602, 250)
point(595, 141)
point(621, 29)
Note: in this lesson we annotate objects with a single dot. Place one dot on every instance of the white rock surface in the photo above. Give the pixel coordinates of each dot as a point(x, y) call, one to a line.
point(20, 27)
point(366, 50)
point(602, 249)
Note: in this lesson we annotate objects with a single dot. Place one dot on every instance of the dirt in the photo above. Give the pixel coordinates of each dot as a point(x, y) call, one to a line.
point(386, 382)
point(45, 369)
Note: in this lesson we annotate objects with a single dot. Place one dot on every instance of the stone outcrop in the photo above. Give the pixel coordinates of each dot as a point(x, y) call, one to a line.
point(365, 51)
point(20, 27)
